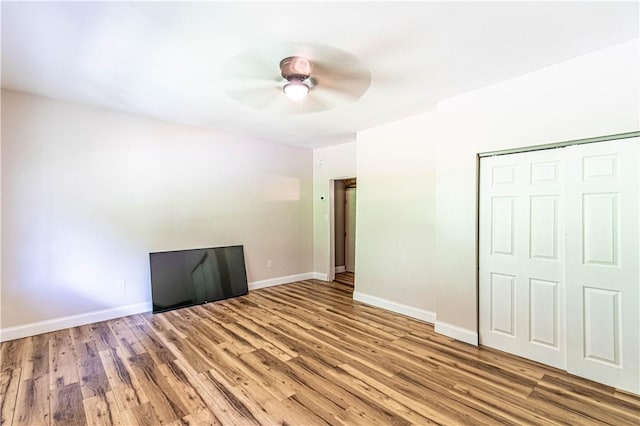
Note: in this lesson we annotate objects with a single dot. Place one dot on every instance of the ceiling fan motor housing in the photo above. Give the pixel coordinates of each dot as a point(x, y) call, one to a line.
point(295, 68)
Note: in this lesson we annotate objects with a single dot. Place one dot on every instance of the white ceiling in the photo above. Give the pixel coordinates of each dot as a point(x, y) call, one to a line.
point(170, 60)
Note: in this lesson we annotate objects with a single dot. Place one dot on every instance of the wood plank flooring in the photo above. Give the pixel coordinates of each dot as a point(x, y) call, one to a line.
point(296, 354)
point(347, 278)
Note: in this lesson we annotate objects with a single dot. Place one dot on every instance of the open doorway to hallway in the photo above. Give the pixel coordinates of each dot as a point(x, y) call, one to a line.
point(344, 230)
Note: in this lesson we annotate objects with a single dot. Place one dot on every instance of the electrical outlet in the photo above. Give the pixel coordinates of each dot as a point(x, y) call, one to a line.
point(122, 285)
point(269, 263)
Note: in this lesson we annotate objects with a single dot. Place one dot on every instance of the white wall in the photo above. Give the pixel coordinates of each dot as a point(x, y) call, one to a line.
point(334, 162)
point(395, 226)
point(417, 178)
point(88, 193)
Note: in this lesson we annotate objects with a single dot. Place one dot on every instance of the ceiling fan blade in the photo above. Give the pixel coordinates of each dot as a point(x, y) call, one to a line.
point(330, 97)
point(352, 80)
point(315, 102)
point(255, 97)
point(251, 64)
point(240, 84)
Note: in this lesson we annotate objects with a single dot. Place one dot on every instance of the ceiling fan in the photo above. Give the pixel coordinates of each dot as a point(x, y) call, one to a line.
point(311, 78)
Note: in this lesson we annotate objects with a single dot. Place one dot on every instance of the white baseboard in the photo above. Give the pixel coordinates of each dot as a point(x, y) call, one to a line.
point(280, 280)
point(319, 276)
point(34, 328)
point(458, 333)
point(399, 308)
point(339, 269)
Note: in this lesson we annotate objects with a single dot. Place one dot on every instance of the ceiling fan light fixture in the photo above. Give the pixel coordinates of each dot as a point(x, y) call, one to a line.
point(296, 89)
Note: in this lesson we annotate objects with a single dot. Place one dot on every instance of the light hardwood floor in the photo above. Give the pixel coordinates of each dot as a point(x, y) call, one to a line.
point(296, 354)
point(347, 278)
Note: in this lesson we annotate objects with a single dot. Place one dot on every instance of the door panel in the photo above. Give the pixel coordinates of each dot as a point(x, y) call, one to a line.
point(600, 229)
point(502, 218)
point(543, 312)
point(602, 325)
point(521, 269)
point(603, 263)
point(503, 304)
point(544, 227)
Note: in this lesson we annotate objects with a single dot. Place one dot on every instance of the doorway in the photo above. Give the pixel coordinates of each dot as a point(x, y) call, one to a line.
point(344, 230)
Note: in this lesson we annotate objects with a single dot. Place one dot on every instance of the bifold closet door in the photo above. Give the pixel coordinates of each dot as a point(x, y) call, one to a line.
point(521, 255)
point(603, 263)
point(559, 258)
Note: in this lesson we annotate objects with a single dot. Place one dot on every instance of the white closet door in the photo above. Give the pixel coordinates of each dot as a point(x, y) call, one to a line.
point(521, 263)
point(603, 271)
point(560, 249)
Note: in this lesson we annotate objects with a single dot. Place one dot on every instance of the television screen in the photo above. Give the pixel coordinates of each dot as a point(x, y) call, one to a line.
point(191, 277)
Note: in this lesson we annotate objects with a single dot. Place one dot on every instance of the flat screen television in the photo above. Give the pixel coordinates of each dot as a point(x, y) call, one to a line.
point(192, 277)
